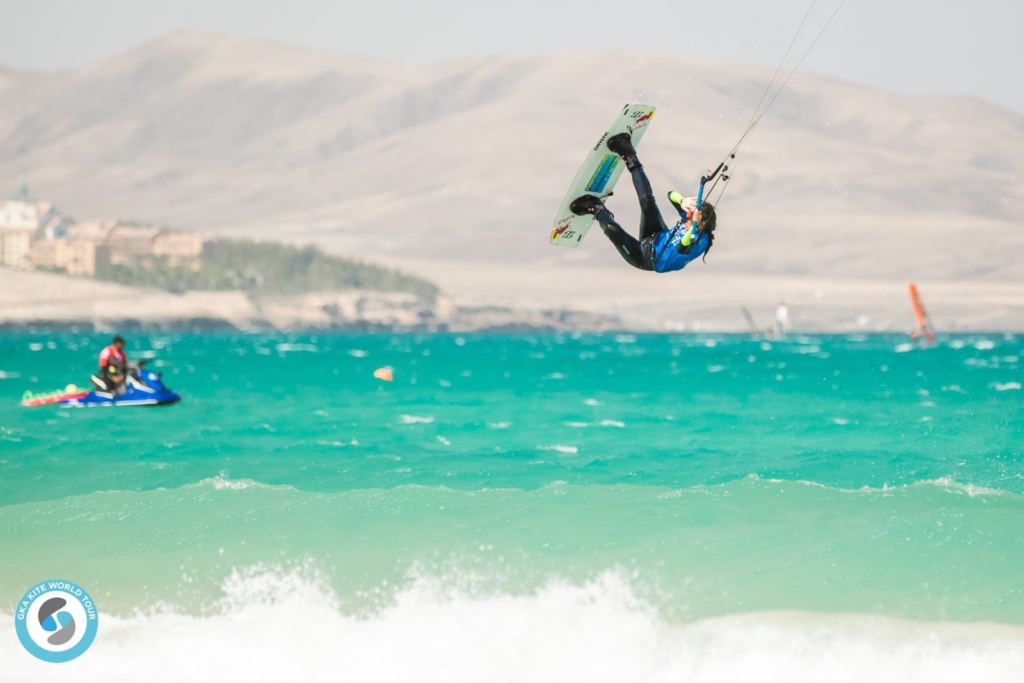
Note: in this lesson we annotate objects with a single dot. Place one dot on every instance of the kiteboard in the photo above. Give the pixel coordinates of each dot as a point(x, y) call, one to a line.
point(598, 174)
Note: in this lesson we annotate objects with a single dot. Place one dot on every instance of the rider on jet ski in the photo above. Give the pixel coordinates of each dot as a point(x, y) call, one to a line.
point(113, 367)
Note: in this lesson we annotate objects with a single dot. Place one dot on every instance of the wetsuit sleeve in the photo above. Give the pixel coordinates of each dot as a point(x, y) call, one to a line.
point(699, 246)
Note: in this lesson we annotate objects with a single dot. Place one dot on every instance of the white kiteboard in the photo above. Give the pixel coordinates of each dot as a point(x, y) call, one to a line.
point(598, 174)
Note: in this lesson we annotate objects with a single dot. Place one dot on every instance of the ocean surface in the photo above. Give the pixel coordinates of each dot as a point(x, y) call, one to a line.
point(529, 507)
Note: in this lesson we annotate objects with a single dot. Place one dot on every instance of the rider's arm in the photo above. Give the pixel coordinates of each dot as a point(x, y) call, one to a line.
point(698, 245)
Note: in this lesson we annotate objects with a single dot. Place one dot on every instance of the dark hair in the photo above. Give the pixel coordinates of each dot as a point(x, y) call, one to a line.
point(708, 221)
point(116, 339)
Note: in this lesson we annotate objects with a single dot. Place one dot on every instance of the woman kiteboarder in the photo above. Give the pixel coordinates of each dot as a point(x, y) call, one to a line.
point(659, 248)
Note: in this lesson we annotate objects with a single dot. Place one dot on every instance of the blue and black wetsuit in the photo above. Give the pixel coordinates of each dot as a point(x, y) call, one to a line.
point(659, 247)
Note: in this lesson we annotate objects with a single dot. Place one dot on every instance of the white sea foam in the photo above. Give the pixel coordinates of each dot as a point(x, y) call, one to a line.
point(612, 423)
point(276, 626)
point(285, 348)
point(1005, 386)
point(357, 353)
point(970, 489)
point(415, 419)
point(499, 425)
point(944, 483)
point(559, 449)
point(222, 483)
point(903, 348)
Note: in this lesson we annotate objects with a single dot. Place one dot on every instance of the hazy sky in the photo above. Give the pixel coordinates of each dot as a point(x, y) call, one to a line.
point(916, 46)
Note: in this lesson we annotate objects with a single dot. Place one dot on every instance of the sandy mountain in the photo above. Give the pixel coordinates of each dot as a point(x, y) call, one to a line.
point(468, 160)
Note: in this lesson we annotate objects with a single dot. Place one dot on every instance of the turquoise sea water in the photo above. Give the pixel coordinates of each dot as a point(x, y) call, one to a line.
point(684, 479)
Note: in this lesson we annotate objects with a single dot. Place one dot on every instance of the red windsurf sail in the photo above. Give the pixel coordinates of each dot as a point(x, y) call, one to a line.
point(924, 323)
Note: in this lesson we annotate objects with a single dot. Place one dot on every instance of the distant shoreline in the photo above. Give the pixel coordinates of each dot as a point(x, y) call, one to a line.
point(530, 298)
point(220, 326)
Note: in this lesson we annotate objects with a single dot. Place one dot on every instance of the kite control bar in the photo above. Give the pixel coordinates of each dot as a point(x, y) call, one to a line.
point(704, 180)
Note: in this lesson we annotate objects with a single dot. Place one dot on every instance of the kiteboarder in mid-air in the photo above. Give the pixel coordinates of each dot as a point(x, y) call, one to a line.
point(659, 248)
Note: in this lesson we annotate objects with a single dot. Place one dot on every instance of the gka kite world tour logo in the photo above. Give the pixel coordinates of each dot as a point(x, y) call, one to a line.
point(56, 621)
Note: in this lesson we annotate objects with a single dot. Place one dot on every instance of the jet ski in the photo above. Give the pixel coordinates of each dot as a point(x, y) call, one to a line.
point(141, 388)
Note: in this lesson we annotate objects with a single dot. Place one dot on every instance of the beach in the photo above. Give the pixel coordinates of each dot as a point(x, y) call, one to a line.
point(499, 297)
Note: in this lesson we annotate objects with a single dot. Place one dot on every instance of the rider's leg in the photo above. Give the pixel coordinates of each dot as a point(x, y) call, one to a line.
point(651, 221)
point(627, 245)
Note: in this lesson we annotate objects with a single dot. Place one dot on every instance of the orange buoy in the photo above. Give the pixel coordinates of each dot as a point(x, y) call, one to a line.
point(384, 374)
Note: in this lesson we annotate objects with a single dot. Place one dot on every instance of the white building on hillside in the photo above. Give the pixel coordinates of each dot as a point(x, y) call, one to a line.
point(14, 247)
point(21, 223)
point(180, 248)
point(93, 230)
